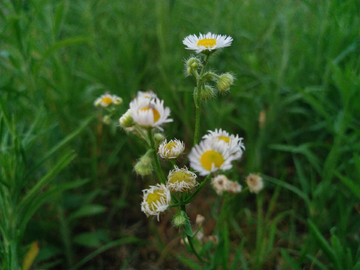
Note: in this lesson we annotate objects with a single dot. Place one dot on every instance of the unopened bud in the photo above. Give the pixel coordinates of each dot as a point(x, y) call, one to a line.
point(142, 169)
point(180, 219)
point(106, 119)
point(117, 100)
point(159, 138)
point(193, 62)
point(207, 93)
point(126, 120)
point(225, 81)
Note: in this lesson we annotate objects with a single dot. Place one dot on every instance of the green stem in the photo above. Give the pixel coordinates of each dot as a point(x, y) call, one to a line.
point(189, 238)
point(158, 170)
point(197, 100)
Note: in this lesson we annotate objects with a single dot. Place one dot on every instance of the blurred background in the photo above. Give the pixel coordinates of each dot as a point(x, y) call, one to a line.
point(295, 102)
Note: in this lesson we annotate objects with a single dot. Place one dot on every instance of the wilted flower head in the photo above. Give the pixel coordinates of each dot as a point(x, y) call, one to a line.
point(232, 143)
point(254, 182)
point(233, 187)
point(156, 200)
point(220, 183)
point(199, 219)
point(206, 43)
point(172, 149)
point(181, 180)
point(149, 112)
point(107, 99)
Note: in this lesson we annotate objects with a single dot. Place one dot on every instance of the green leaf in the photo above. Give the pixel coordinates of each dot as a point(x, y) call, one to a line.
point(61, 164)
point(187, 228)
point(189, 263)
point(128, 240)
point(88, 210)
point(57, 46)
point(354, 187)
point(291, 263)
point(91, 239)
point(47, 196)
point(324, 244)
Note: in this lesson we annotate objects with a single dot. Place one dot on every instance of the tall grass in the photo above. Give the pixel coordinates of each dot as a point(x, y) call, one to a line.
point(296, 63)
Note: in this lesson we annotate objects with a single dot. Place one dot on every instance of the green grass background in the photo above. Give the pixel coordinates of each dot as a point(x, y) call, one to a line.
point(297, 61)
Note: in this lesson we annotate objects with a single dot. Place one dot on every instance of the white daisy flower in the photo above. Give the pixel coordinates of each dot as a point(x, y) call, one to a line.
point(181, 180)
point(206, 43)
point(234, 143)
point(156, 200)
point(207, 158)
point(149, 112)
point(254, 182)
point(172, 149)
point(107, 99)
point(148, 94)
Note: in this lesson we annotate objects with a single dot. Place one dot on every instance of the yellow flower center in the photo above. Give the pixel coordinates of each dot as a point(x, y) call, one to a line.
point(225, 139)
point(207, 42)
point(153, 198)
point(169, 146)
point(107, 100)
point(155, 113)
point(181, 176)
point(211, 157)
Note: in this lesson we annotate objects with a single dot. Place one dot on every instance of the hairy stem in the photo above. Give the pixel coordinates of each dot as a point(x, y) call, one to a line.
point(158, 170)
point(197, 100)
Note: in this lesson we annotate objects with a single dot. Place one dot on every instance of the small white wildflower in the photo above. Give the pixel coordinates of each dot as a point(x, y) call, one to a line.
point(181, 180)
point(206, 43)
point(233, 143)
point(156, 200)
point(149, 112)
point(172, 149)
point(207, 158)
point(107, 99)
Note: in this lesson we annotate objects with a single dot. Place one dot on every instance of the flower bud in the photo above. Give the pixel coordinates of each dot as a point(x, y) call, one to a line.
point(117, 100)
point(224, 82)
point(180, 219)
point(126, 120)
point(159, 138)
point(207, 92)
point(143, 169)
point(193, 62)
point(106, 119)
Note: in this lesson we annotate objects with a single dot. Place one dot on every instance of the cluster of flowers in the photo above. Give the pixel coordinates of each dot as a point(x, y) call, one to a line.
point(216, 152)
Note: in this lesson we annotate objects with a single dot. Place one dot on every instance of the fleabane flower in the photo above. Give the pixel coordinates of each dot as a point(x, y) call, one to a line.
point(148, 94)
point(206, 43)
point(156, 200)
point(181, 180)
point(107, 99)
point(207, 157)
point(255, 182)
point(149, 113)
point(172, 149)
point(233, 143)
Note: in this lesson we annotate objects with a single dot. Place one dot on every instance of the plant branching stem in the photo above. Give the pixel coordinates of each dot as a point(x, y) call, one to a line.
point(158, 170)
point(197, 99)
